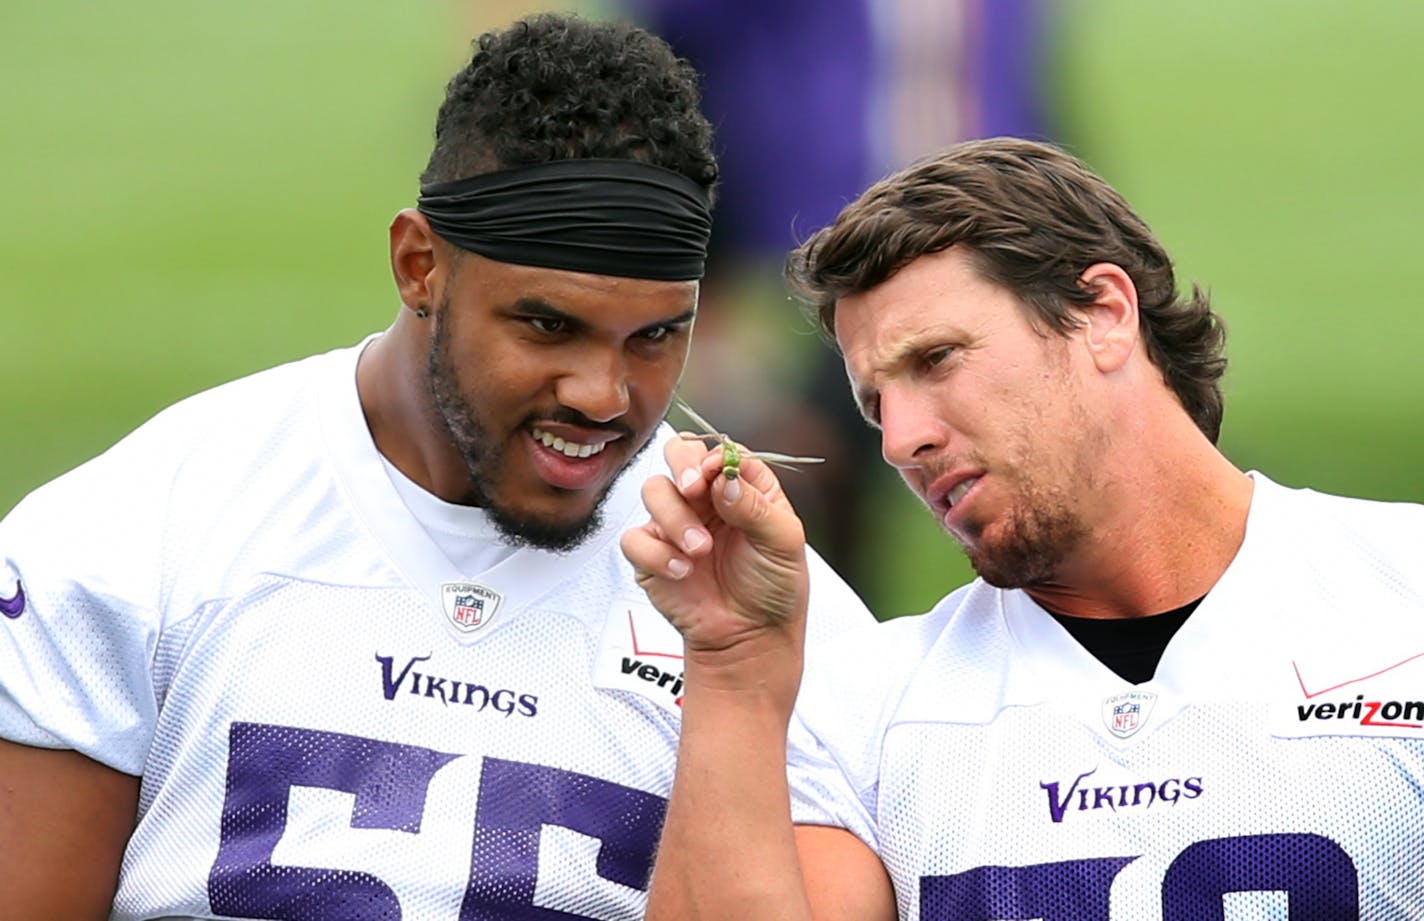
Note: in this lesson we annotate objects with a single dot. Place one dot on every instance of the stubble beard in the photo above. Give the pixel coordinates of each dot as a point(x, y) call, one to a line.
point(1031, 545)
point(1044, 527)
point(483, 455)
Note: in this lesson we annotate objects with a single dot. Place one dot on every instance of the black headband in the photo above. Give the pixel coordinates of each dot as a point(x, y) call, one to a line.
point(605, 217)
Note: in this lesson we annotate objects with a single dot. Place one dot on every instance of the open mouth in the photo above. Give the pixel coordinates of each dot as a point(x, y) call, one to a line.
point(568, 448)
point(952, 498)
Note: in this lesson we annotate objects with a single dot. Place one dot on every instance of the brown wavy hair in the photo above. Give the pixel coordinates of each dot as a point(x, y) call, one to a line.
point(1033, 218)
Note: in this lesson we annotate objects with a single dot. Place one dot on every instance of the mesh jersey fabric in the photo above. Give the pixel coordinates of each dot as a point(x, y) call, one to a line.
point(235, 604)
point(1272, 769)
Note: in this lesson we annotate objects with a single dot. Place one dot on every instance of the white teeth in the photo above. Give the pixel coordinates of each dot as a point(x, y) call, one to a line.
point(958, 492)
point(568, 448)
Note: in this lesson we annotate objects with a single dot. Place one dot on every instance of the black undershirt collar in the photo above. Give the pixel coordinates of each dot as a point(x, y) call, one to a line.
point(1130, 646)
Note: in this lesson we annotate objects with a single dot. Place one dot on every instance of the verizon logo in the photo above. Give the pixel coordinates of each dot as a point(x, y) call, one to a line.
point(670, 681)
point(1391, 714)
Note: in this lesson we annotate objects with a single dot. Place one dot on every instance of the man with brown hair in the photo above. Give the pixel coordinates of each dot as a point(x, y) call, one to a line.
point(1177, 690)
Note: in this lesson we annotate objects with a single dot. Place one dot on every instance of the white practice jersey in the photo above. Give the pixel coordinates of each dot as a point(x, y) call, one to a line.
point(330, 720)
point(1272, 769)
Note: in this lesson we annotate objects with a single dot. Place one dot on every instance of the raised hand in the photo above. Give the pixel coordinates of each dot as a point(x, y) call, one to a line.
point(724, 559)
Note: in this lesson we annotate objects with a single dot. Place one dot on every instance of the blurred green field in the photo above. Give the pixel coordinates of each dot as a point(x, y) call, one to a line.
point(194, 192)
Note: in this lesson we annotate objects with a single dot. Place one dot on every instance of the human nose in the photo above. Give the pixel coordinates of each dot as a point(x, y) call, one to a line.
point(909, 429)
point(596, 386)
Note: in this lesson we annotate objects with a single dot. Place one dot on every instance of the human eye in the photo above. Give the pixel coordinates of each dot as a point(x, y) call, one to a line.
point(664, 333)
point(547, 325)
point(938, 356)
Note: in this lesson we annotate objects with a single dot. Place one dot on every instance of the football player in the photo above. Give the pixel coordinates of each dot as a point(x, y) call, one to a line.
point(352, 637)
point(1177, 690)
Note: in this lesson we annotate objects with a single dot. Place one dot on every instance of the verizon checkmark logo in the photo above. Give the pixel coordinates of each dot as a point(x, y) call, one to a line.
point(1385, 714)
point(1335, 687)
point(641, 653)
point(13, 606)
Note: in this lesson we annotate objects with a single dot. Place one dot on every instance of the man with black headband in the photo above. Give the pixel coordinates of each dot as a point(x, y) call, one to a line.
point(353, 637)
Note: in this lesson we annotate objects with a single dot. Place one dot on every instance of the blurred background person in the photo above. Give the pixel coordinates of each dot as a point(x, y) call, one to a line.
point(811, 101)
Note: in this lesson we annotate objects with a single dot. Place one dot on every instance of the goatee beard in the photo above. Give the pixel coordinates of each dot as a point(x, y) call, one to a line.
point(480, 453)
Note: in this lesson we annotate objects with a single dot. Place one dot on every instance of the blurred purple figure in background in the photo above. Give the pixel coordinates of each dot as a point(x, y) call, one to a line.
point(950, 70)
point(810, 101)
point(786, 86)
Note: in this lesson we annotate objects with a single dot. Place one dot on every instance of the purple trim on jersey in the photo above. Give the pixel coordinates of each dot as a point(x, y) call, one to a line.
point(14, 606)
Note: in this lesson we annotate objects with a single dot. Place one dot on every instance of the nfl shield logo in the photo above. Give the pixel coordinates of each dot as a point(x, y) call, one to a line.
point(469, 611)
point(469, 606)
point(1126, 713)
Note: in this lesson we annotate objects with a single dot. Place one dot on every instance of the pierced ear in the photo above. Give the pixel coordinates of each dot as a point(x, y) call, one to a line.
point(414, 259)
point(1111, 331)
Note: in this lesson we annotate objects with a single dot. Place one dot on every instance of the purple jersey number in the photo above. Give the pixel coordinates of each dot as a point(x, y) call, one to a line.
point(1317, 876)
point(517, 799)
point(389, 782)
point(1073, 890)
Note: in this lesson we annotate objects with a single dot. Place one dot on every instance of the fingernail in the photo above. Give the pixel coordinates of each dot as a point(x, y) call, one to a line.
point(693, 538)
point(688, 477)
point(677, 568)
point(733, 491)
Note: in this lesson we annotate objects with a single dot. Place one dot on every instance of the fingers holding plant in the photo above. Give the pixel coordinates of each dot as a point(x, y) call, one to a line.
point(723, 557)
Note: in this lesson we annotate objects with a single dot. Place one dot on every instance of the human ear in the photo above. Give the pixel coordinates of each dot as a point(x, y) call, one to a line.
point(413, 260)
point(1110, 329)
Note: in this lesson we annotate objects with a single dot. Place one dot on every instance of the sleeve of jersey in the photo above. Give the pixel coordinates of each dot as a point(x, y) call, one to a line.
point(78, 591)
point(821, 794)
point(834, 607)
point(821, 791)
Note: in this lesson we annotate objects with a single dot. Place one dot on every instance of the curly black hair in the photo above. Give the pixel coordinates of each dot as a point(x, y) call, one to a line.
point(554, 86)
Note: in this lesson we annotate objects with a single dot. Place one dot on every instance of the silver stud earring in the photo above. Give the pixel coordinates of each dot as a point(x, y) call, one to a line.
point(420, 312)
